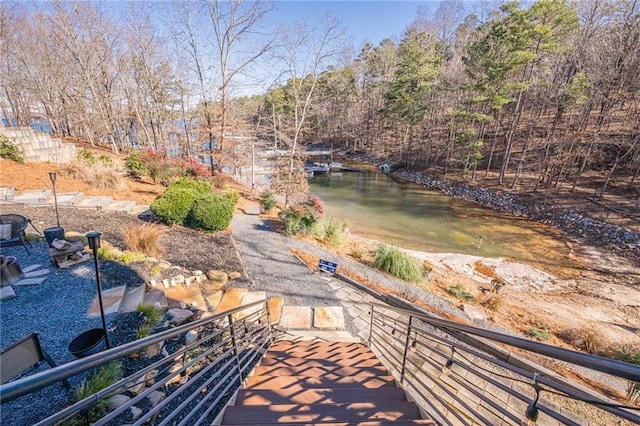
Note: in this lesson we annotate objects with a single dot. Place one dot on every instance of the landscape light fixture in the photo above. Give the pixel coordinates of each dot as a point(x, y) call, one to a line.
point(94, 244)
point(531, 413)
point(447, 366)
point(52, 176)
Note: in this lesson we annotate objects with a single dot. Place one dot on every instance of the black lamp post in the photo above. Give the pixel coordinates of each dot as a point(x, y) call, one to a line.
point(52, 176)
point(94, 244)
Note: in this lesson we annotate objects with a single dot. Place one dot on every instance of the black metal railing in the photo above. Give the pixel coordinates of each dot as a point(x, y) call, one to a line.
point(459, 375)
point(187, 384)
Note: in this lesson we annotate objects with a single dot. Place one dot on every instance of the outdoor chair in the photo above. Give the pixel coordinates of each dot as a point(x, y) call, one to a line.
point(18, 224)
point(21, 355)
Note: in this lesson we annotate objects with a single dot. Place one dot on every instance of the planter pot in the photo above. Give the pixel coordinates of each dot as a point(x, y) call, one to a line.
point(52, 233)
point(88, 343)
point(11, 271)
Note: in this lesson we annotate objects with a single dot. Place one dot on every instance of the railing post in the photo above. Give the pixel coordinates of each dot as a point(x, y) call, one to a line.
point(269, 328)
point(406, 350)
point(371, 326)
point(234, 344)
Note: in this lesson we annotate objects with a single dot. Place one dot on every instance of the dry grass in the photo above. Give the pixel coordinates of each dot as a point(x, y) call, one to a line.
point(144, 238)
point(492, 302)
point(586, 339)
point(487, 271)
point(105, 177)
point(100, 175)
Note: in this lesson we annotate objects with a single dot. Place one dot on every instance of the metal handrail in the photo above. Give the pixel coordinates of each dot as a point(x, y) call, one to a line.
point(220, 358)
point(409, 347)
point(598, 363)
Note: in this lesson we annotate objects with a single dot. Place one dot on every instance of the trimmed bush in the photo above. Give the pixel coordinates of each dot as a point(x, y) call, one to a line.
point(174, 205)
point(199, 186)
point(211, 212)
point(397, 263)
point(133, 164)
point(233, 195)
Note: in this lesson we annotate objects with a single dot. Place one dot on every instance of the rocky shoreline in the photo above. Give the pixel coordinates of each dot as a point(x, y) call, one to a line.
point(589, 231)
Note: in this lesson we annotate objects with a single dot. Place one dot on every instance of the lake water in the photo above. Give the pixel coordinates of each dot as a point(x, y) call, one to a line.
point(410, 216)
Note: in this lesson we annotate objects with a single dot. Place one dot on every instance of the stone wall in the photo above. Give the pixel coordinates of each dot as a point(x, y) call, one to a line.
point(39, 146)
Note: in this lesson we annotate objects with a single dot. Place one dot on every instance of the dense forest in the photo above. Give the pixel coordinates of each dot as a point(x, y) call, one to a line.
point(535, 95)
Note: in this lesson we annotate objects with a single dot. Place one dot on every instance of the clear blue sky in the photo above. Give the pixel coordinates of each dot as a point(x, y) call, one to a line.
point(370, 21)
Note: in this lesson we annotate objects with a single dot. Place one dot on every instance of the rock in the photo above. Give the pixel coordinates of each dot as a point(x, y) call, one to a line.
point(476, 314)
point(190, 337)
point(135, 412)
point(218, 278)
point(154, 350)
point(156, 397)
point(179, 316)
point(7, 293)
point(138, 387)
point(234, 275)
point(117, 401)
point(150, 377)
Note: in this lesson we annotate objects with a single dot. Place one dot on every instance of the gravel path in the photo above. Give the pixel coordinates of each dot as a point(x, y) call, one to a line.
point(273, 269)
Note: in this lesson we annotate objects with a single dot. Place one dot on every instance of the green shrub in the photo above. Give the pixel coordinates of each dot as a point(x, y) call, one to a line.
point(105, 160)
point(86, 156)
point(539, 331)
point(9, 150)
point(460, 292)
point(629, 353)
point(211, 213)
point(331, 231)
point(268, 201)
point(129, 257)
point(397, 263)
point(133, 164)
point(302, 218)
point(199, 186)
point(233, 195)
point(174, 205)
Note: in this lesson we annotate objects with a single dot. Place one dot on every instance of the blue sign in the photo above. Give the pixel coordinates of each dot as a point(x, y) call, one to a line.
point(325, 265)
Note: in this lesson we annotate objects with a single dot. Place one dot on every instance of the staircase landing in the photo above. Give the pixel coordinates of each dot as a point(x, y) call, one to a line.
point(319, 382)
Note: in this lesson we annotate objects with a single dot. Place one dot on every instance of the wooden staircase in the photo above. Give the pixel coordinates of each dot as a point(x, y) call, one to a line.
point(317, 382)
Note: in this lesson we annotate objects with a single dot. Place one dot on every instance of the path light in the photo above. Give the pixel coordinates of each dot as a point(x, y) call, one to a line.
point(447, 367)
point(52, 176)
point(94, 244)
point(531, 413)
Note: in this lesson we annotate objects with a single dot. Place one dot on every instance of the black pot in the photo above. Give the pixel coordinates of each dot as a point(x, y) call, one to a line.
point(52, 233)
point(88, 343)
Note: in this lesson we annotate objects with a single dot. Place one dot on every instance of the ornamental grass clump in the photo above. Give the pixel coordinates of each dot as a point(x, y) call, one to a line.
point(397, 263)
point(144, 238)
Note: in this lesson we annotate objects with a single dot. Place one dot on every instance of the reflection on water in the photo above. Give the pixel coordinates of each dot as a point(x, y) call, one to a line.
point(411, 216)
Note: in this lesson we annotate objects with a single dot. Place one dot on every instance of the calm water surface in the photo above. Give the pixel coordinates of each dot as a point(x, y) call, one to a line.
point(410, 216)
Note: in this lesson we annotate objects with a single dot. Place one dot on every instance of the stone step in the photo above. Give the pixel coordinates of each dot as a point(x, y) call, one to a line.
point(111, 299)
point(66, 199)
point(318, 396)
point(7, 293)
point(303, 382)
point(328, 318)
point(38, 197)
point(295, 317)
point(231, 299)
point(275, 309)
point(319, 413)
point(189, 295)
point(7, 193)
point(328, 353)
point(94, 202)
point(133, 297)
point(155, 297)
point(252, 296)
point(120, 206)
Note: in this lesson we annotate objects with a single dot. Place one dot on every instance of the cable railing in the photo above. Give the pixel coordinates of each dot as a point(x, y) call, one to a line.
point(458, 375)
point(188, 384)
